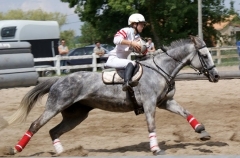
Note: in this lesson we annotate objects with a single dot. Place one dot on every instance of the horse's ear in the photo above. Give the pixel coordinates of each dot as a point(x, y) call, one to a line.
point(193, 39)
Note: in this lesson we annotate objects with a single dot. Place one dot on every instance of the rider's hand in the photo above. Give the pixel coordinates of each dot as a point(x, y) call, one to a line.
point(136, 46)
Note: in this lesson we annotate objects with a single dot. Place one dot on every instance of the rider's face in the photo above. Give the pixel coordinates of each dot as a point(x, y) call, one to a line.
point(140, 26)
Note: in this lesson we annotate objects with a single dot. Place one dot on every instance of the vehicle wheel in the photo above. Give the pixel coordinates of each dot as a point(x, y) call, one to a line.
point(47, 73)
point(39, 73)
point(67, 71)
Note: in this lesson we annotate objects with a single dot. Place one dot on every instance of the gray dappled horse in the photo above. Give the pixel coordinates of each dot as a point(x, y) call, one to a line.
point(77, 94)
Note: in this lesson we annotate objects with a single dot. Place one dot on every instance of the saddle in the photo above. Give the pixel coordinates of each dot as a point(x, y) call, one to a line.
point(116, 76)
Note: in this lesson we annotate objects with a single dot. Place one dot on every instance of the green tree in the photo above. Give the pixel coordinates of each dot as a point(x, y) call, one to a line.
point(68, 36)
point(168, 19)
point(89, 34)
point(236, 19)
point(38, 14)
point(102, 18)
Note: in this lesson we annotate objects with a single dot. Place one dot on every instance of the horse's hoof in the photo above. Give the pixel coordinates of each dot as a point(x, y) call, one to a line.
point(204, 136)
point(159, 152)
point(8, 151)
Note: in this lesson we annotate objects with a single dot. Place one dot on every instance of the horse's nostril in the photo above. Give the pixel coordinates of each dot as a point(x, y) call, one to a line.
point(216, 78)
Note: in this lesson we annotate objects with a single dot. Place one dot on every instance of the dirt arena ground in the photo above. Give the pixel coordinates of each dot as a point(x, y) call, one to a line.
point(216, 105)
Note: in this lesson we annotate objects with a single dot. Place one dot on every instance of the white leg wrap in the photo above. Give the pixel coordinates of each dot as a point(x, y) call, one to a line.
point(58, 146)
point(153, 142)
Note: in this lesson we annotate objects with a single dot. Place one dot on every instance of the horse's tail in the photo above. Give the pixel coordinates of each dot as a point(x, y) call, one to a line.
point(28, 102)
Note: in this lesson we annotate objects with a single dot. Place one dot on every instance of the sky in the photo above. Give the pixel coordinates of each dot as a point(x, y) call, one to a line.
point(236, 5)
point(73, 21)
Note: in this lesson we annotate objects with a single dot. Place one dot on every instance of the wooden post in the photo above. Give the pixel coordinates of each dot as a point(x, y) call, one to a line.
point(94, 62)
point(58, 57)
point(219, 60)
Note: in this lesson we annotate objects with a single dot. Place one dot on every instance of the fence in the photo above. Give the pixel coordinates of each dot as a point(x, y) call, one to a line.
point(218, 55)
point(58, 58)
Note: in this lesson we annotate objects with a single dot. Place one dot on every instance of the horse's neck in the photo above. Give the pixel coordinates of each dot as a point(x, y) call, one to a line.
point(175, 60)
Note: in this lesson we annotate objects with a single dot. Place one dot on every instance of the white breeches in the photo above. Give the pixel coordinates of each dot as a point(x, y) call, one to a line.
point(119, 63)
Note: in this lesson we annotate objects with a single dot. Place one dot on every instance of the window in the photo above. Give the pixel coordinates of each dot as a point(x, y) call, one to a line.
point(108, 47)
point(78, 52)
point(88, 50)
point(8, 31)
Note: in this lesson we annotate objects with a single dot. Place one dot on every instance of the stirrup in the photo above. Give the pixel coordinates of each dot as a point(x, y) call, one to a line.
point(126, 86)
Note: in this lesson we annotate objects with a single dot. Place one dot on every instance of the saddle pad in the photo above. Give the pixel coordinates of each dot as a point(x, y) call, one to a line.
point(110, 76)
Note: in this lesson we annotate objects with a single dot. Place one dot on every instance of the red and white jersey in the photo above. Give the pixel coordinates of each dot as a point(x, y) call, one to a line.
point(122, 51)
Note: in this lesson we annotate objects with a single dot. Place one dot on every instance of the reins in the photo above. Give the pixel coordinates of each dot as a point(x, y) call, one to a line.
point(169, 81)
point(204, 70)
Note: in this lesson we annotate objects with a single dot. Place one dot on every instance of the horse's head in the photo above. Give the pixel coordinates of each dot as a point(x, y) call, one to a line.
point(202, 60)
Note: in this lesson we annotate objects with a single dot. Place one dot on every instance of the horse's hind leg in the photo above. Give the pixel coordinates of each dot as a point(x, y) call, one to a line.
point(173, 106)
point(72, 116)
point(35, 126)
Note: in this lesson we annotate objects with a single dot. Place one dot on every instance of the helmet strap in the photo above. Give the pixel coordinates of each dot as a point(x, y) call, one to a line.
point(135, 28)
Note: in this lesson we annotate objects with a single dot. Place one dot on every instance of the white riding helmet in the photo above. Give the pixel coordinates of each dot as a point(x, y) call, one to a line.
point(136, 17)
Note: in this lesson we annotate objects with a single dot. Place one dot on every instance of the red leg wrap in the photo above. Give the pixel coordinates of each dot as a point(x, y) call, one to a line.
point(23, 142)
point(192, 121)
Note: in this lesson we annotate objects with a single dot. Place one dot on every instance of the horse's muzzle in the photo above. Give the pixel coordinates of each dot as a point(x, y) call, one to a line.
point(212, 75)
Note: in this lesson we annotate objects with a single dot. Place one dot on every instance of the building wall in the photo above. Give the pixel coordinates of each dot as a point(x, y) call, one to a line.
point(228, 36)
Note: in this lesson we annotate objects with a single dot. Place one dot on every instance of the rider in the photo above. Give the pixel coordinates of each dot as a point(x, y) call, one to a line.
point(125, 41)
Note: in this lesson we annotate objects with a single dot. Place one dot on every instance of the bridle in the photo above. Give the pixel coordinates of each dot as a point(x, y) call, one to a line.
point(205, 69)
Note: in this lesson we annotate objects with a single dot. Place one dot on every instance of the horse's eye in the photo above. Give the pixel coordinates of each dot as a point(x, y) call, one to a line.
point(205, 56)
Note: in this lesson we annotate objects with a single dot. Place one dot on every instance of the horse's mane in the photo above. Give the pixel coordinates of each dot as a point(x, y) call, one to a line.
point(178, 43)
point(173, 45)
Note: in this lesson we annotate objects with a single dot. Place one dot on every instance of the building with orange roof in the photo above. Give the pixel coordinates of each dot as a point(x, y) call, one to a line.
point(228, 31)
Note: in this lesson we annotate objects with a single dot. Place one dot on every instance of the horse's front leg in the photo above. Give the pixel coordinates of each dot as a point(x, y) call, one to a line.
point(172, 106)
point(150, 117)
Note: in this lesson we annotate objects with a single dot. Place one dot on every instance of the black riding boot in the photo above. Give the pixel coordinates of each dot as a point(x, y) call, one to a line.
point(127, 77)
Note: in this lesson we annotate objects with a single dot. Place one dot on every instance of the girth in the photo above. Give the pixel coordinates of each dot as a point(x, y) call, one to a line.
point(138, 109)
